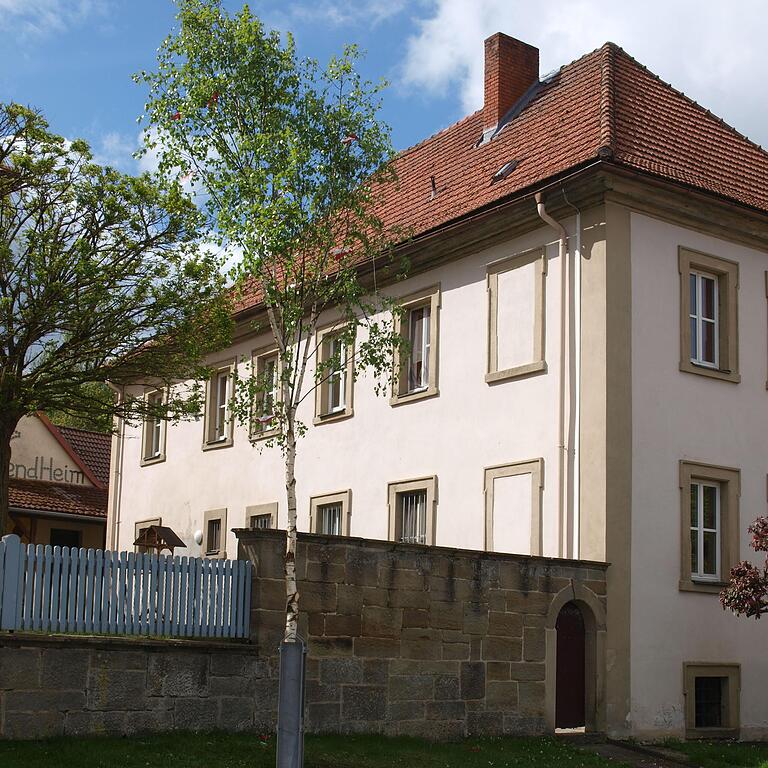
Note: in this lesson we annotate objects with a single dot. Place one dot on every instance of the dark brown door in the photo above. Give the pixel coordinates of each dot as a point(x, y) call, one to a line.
point(570, 695)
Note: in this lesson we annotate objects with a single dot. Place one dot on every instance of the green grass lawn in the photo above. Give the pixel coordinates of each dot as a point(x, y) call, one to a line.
point(722, 754)
point(181, 750)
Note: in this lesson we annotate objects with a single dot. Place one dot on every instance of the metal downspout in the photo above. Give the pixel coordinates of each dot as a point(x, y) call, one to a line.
point(115, 481)
point(577, 274)
point(576, 553)
point(563, 438)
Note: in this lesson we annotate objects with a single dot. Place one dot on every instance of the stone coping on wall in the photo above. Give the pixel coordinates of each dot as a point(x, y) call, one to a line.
point(246, 534)
point(103, 642)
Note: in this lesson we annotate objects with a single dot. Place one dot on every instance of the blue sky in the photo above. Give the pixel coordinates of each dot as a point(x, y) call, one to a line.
point(74, 58)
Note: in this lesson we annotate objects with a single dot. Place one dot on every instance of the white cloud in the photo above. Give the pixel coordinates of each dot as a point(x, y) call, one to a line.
point(228, 256)
point(337, 13)
point(116, 149)
point(38, 18)
point(150, 160)
point(715, 52)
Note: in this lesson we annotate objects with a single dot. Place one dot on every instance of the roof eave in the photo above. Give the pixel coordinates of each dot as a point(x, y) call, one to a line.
point(691, 205)
point(34, 512)
point(603, 161)
point(444, 229)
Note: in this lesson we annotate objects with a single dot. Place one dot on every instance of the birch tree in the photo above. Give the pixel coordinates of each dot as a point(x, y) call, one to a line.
point(285, 156)
point(102, 276)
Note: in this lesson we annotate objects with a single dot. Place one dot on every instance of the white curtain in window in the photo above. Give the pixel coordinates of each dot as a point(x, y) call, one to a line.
point(418, 329)
point(413, 517)
point(329, 519)
point(337, 378)
point(154, 428)
point(222, 392)
point(268, 396)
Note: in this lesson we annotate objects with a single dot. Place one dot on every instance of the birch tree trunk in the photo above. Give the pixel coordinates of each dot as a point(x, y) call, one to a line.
point(291, 587)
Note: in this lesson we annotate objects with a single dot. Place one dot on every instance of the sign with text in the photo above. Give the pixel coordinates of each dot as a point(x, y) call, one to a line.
point(37, 455)
point(46, 468)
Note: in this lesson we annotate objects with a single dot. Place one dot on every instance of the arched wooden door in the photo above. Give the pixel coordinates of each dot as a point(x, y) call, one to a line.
point(570, 693)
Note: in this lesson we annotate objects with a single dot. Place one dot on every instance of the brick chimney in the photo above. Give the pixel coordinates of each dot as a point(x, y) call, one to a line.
point(511, 67)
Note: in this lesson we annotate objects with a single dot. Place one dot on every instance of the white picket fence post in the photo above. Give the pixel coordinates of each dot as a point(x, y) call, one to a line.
point(11, 558)
point(58, 589)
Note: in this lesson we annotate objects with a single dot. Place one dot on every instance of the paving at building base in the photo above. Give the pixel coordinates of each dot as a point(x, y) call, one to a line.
point(637, 757)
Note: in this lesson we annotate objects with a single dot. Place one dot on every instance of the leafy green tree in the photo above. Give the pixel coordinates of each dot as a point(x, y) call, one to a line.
point(75, 415)
point(101, 278)
point(287, 156)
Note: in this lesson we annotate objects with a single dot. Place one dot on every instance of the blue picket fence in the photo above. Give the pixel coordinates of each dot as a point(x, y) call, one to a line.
point(93, 591)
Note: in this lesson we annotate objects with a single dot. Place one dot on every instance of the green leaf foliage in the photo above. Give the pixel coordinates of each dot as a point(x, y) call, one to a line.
point(285, 157)
point(81, 414)
point(102, 277)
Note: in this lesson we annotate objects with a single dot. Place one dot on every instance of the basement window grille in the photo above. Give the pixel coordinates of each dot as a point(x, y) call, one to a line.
point(413, 517)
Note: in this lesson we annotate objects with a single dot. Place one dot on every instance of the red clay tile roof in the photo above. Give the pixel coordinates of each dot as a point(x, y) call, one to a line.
point(603, 106)
point(94, 448)
point(558, 129)
point(661, 131)
point(40, 496)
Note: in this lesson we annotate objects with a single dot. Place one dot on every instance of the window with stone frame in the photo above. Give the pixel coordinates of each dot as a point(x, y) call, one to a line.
point(412, 510)
point(709, 312)
point(709, 498)
point(334, 389)
point(218, 416)
point(329, 514)
point(712, 699)
point(214, 533)
point(264, 422)
point(138, 529)
point(416, 362)
point(153, 443)
point(262, 516)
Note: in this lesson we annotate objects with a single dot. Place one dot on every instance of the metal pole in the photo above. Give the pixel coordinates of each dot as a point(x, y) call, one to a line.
point(290, 707)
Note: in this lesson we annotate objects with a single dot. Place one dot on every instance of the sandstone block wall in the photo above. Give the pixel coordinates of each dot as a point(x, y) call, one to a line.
point(404, 639)
point(56, 686)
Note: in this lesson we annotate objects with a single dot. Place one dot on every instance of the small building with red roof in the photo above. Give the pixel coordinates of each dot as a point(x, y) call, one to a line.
point(59, 480)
